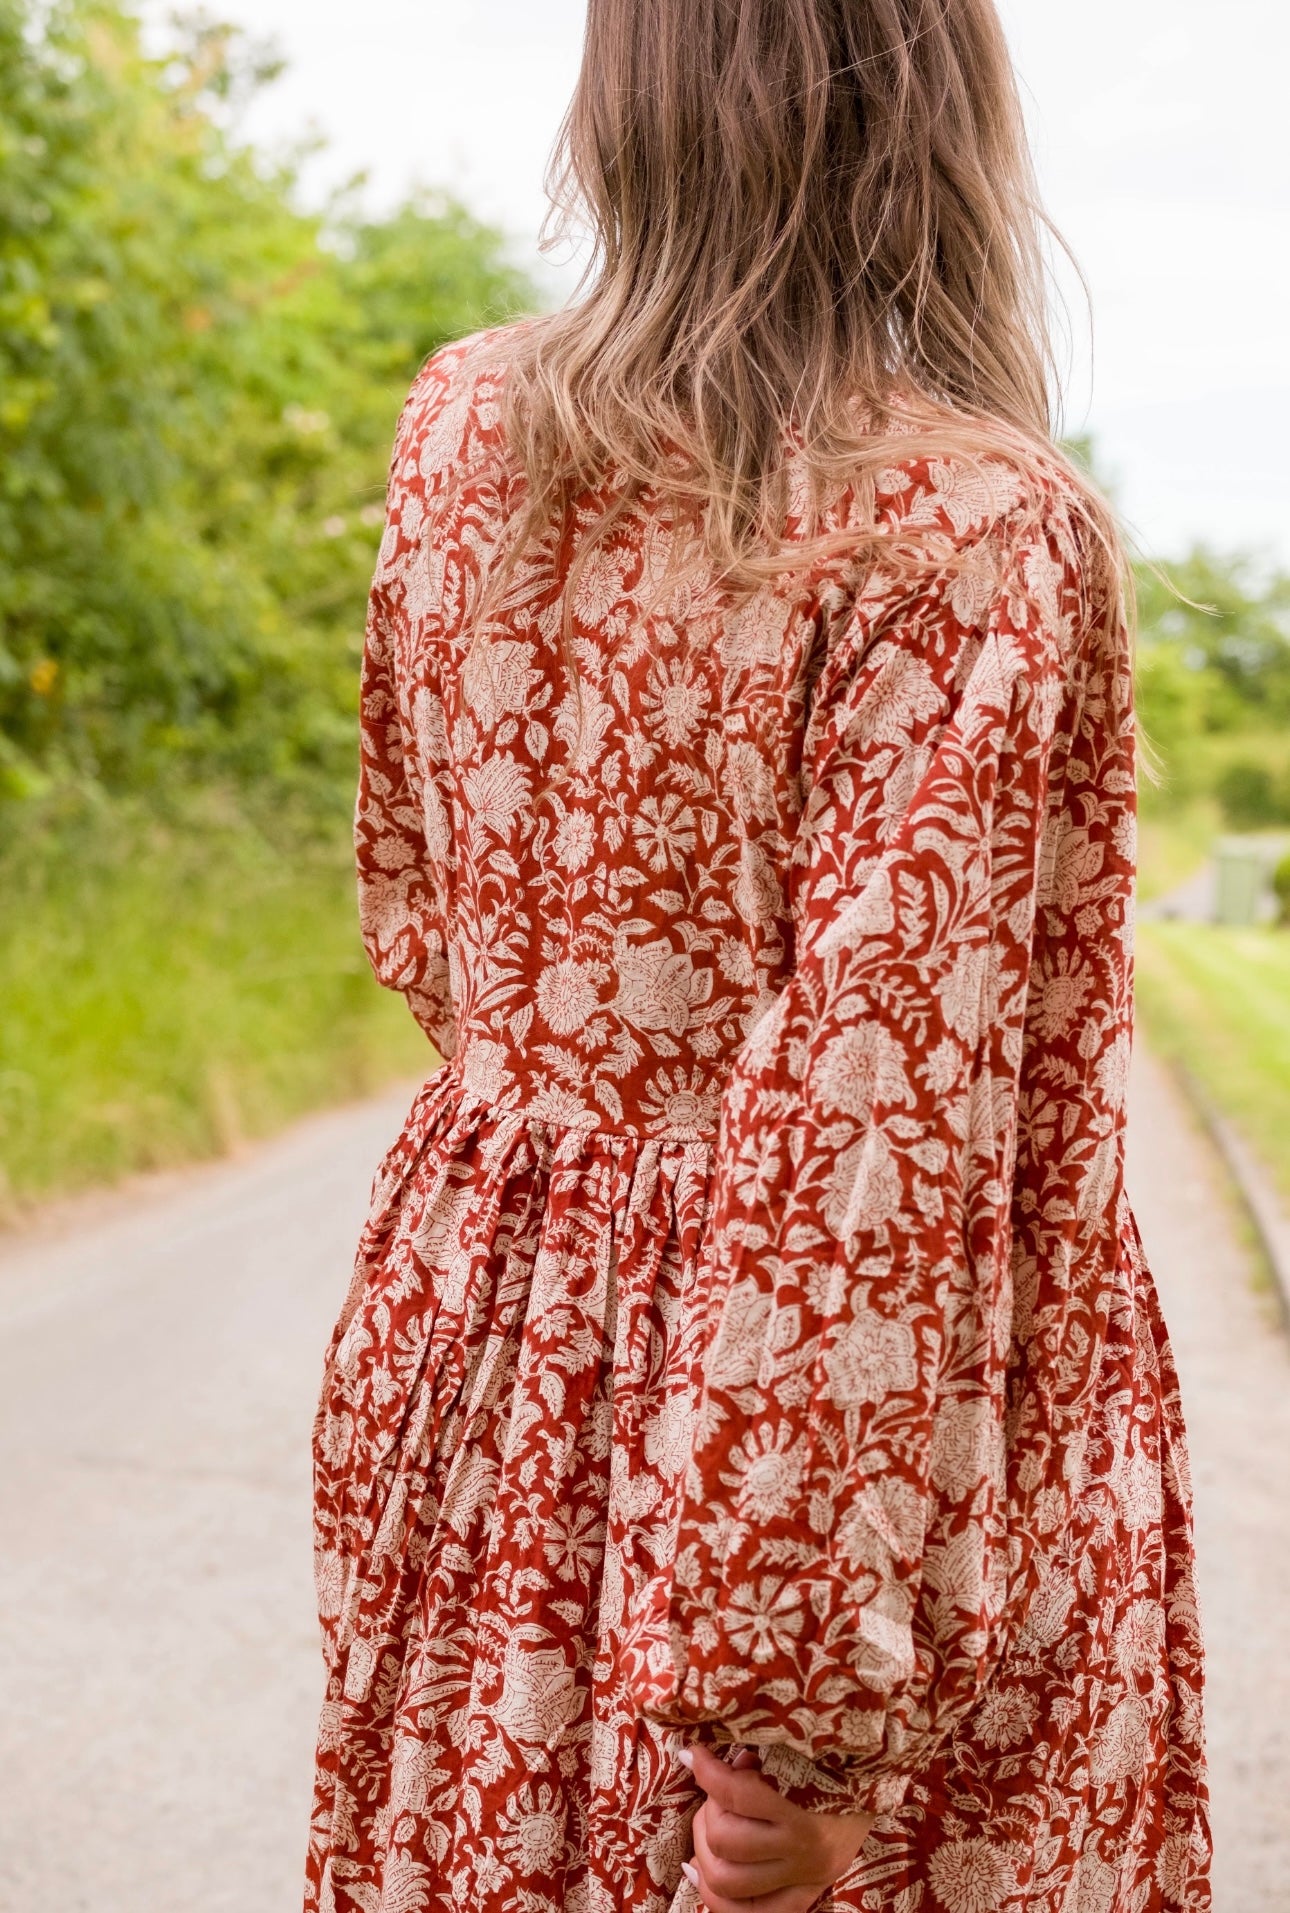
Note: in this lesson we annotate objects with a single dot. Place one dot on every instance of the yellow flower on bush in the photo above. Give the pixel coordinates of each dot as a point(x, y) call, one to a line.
point(44, 676)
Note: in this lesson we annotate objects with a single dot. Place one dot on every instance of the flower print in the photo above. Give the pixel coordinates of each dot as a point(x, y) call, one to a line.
point(962, 993)
point(682, 1102)
point(902, 692)
point(659, 988)
point(567, 995)
point(667, 1436)
point(973, 1876)
point(860, 1066)
point(589, 1895)
point(600, 587)
point(676, 700)
point(758, 897)
point(1059, 996)
point(1135, 1482)
point(967, 1446)
point(1005, 1717)
point(1094, 1885)
point(942, 1068)
point(1049, 1612)
point(575, 839)
point(870, 1359)
point(574, 1542)
point(1121, 1746)
point(901, 786)
point(884, 1521)
point(757, 1170)
point(970, 492)
point(741, 1337)
point(757, 632)
point(785, 1069)
point(667, 1847)
point(1179, 1864)
point(329, 1582)
point(483, 1069)
point(972, 593)
point(663, 829)
point(1138, 1644)
point(539, 1694)
point(1071, 862)
point(499, 678)
point(471, 1487)
point(766, 1473)
point(735, 962)
point(408, 1882)
point(533, 1830)
point(1113, 1066)
point(748, 784)
point(496, 791)
point(561, 1108)
point(864, 1187)
point(764, 1620)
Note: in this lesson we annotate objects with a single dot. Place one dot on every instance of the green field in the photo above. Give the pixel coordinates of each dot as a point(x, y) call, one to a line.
point(1218, 1001)
point(171, 996)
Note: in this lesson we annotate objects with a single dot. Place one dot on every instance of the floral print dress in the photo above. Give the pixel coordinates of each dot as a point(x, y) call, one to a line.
point(750, 1339)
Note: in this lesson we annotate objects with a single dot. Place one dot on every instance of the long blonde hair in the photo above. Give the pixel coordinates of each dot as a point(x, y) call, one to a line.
point(813, 219)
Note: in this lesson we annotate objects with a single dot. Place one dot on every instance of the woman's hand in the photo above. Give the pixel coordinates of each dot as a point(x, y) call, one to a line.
point(754, 1852)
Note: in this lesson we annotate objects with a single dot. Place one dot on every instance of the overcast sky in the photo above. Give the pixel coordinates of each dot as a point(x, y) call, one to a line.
point(1159, 128)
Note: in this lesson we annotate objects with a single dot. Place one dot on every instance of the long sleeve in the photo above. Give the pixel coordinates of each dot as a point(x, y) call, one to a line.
point(858, 1521)
point(401, 835)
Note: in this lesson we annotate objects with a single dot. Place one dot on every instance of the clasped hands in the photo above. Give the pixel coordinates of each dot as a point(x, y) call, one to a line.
point(754, 1852)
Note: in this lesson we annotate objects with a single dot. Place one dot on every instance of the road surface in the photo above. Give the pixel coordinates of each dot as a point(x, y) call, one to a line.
point(159, 1670)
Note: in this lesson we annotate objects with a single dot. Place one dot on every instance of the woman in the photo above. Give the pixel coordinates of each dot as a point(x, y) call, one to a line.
point(751, 1397)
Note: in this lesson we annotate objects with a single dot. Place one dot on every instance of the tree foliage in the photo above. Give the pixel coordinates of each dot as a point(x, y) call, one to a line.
point(1214, 683)
point(198, 387)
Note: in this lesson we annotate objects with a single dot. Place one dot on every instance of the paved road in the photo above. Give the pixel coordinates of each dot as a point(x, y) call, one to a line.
point(158, 1667)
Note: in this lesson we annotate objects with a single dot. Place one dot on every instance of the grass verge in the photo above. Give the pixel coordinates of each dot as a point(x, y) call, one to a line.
point(169, 995)
point(1218, 1001)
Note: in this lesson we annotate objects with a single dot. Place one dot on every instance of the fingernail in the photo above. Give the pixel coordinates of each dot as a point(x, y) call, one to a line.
point(691, 1873)
point(686, 1758)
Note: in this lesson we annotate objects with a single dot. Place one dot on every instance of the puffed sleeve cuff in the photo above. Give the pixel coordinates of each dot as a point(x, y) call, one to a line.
point(832, 1786)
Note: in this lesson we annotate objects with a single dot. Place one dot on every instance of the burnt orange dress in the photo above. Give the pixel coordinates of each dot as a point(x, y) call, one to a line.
point(750, 1338)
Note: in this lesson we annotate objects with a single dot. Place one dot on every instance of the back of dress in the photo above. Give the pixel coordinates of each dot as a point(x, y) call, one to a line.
point(750, 1336)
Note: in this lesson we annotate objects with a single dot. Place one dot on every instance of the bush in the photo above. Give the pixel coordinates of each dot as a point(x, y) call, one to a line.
point(1281, 889)
point(1251, 797)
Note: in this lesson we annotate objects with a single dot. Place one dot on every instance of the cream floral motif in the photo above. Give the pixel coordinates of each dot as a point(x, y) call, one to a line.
point(749, 1338)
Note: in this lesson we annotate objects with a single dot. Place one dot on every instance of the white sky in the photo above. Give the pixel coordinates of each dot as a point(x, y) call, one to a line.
point(1160, 131)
